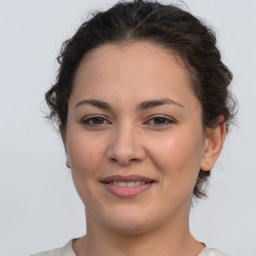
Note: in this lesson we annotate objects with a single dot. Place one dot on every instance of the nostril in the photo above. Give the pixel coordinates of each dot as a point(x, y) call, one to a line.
point(112, 159)
point(125, 152)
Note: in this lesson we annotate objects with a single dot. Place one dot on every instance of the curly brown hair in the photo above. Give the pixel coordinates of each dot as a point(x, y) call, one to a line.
point(164, 25)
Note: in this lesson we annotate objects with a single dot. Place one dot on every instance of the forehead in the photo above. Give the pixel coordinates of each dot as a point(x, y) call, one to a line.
point(139, 68)
point(139, 56)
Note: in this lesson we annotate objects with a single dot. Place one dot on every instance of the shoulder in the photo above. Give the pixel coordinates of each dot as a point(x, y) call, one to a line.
point(62, 251)
point(212, 252)
point(55, 252)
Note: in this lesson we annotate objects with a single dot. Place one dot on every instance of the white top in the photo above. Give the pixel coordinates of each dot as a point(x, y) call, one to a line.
point(67, 250)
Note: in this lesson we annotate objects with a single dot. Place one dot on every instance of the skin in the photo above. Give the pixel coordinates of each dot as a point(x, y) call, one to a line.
point(126, 140)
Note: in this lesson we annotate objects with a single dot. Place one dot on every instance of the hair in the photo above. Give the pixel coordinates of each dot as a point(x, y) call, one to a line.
point(164, 25)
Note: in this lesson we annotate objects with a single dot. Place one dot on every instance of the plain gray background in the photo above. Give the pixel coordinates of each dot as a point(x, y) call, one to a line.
point(39, 207)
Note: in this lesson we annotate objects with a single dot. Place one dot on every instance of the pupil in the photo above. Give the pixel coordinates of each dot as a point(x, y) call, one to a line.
point(98, 120)
point(159, 120)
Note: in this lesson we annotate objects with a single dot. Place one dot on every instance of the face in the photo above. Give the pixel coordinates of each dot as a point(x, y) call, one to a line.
point(134, 138)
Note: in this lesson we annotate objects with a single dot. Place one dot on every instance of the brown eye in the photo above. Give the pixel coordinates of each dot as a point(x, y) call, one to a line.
point(95, 121)
point(160, 121)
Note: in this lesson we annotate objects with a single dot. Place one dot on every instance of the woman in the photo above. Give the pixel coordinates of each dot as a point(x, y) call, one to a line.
point(142, 104)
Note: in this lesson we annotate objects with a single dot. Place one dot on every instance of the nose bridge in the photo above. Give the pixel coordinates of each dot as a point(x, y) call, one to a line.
point(126, 145)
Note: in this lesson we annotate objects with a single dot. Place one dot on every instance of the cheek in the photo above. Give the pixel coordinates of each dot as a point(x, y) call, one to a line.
point(85, 159)
point(178, 158)
point(85, 155)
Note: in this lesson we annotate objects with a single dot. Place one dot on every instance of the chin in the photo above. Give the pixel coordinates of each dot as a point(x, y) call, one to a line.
point(129, 227)
point(129, 220)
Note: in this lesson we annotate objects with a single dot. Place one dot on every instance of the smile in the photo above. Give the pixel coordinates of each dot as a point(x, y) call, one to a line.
point(127, 186)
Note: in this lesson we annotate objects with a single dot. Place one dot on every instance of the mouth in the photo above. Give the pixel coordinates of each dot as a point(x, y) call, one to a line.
point(129, 183)
point(127, 186)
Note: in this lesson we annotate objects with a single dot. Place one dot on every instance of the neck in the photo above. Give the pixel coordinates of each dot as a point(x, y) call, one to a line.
point(173, 237)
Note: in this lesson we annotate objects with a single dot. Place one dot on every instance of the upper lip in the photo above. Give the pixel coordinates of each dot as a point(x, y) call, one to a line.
point(126, 178)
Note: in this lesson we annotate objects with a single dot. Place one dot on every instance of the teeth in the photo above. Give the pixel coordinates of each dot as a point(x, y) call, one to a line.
point(120, 183)
point(128, 184)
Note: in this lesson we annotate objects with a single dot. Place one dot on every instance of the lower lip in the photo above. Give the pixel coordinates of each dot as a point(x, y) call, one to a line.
point(127, 192)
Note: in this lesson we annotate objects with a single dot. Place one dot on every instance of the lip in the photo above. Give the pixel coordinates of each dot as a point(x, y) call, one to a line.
point(126, 192)
point(126, 178)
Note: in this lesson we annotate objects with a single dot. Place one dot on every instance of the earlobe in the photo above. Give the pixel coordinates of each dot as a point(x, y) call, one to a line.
point(213, 145)
point(67, 164)
point(67, 158)
point(66, 151)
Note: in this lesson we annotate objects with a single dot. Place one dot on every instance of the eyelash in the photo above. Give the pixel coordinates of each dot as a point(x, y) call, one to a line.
point(87, 121)
point(167, 120)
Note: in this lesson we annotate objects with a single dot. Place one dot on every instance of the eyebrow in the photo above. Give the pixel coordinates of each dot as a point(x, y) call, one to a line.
point(95, 103)
point(154, 103)
point(142, 106)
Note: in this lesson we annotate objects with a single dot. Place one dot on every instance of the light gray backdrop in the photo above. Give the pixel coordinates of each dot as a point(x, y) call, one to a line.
point(39, 208)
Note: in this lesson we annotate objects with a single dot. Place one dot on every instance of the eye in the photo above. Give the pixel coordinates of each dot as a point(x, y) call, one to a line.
point(95, 121)
point(160, 121)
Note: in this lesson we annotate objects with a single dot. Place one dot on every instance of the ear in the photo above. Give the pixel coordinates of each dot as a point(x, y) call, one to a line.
point(67, 160)
point(213, 145)
point(66, 151)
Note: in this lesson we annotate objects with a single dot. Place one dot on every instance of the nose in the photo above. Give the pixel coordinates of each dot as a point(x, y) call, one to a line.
point(126, 146)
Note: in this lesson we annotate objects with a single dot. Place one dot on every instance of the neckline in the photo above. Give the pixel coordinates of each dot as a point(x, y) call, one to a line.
point(68, 249)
